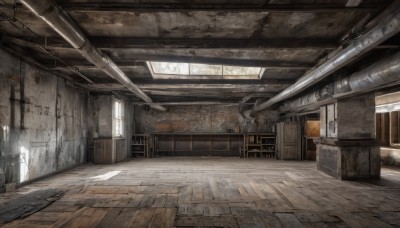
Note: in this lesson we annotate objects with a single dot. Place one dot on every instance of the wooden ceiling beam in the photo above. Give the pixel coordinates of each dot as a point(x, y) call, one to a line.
point(210, 43)
point(182, 7)
point(190, 87)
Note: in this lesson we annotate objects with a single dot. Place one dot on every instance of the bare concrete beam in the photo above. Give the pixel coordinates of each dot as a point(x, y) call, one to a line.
point(387, 98)
point(299, 65)
point(191, 87)
point(139, 59)
point(109, 43)
point(179, 7)
point(247, 98)
point(186, 103)
point(217, 81)
point(353, 3)
point(207, 93)
point(174, 43)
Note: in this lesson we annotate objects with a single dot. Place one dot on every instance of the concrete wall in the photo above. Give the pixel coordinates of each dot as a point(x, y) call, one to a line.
point(128, 126)
point(102, 116)
point(200, 119)
point(359, 113)
point(43, 122)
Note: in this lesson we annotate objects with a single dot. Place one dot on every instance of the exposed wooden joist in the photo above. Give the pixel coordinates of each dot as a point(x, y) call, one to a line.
point(206, 43)
point(110, 43)
point(216, 81)
point(292, 65)
point(223, 94)
point(140, 58)
point(178, 7)
point(186, 103)
point(272, 64)
point(353, 3)
point(190, 87)
point(247, 98)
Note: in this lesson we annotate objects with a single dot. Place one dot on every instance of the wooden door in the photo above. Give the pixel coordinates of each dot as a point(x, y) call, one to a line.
point(289, 141)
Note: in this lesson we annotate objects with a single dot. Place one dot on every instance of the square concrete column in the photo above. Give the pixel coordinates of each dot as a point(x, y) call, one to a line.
point(347, 148)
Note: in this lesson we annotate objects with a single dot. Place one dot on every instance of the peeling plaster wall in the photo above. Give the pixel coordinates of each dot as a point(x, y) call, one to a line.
point(43, 122)
point(128, 126)
point(200, 119)
point(102, 116)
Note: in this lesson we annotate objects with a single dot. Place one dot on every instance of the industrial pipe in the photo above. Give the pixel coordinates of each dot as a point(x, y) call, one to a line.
point(51, 13)
point(386, 28)
point(381, 73)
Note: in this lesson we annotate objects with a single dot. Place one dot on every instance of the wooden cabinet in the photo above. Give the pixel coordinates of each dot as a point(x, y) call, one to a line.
point(109, 150)
point(140, 145)
point(288, 141)
point(259, 145)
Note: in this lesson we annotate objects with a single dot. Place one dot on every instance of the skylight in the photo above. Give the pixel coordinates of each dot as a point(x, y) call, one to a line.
point(172, 70)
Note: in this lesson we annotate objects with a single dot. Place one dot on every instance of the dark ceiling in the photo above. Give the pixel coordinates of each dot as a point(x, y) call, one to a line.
point(286, 37)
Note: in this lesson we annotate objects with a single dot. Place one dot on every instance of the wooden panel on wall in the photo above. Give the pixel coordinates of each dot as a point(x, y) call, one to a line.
point(198, 144)
point(110, 150)
point(201, 142)
point(220, 143)
point(290, 152)
point(120, 150)
point(98, 152)
point(183, 143)
point(165, 143)
point(290, 134)
point(103, 151)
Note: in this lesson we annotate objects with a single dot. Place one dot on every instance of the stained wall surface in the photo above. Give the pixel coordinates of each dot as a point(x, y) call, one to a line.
point(43, 121)
point(201, 119)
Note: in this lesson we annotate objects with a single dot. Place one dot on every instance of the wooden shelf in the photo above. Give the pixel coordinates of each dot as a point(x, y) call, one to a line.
point(260, 145)
point(140, 145)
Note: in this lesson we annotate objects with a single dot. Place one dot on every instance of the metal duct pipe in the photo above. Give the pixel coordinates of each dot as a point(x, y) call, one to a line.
point(323, 93)
point(65, 27)
point(386, 28)
point(381, 73)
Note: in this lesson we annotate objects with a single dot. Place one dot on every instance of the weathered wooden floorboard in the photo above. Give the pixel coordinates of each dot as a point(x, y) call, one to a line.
point(211, 192)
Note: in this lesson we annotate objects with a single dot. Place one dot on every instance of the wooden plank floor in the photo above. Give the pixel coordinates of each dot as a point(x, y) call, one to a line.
point(213, 192)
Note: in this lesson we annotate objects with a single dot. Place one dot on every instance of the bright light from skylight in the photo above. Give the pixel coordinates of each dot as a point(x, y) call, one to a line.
point(205, 69)
point(235, 70)
point(169, 70)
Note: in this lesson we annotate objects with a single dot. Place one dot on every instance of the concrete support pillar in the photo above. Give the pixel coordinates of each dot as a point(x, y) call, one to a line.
point(347, 148)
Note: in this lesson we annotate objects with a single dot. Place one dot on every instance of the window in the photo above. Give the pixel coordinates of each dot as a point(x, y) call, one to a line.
point(171, 70)
point(117, 119)
point(388, 128)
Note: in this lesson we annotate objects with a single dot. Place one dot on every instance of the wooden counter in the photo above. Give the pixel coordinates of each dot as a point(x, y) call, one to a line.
point(197, 144)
